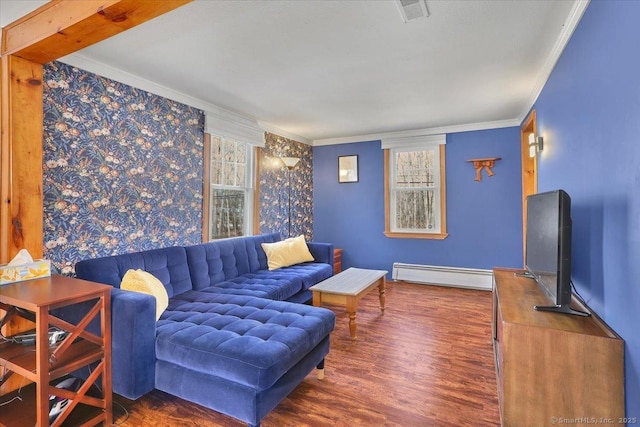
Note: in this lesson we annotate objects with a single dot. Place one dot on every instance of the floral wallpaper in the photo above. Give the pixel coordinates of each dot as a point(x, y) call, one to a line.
point(274, 188)
point(122, 168)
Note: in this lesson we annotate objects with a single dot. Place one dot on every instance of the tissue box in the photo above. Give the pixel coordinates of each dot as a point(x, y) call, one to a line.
point(18, 273)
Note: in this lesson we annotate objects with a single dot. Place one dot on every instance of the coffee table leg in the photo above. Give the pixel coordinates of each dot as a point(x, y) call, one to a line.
point(381, 290)
point(352, 324)
point(352, 307)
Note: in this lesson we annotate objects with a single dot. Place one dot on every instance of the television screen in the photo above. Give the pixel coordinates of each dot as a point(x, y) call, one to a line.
point(548, 246)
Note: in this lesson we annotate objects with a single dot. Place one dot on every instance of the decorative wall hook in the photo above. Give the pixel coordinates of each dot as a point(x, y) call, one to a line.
point(486, 163)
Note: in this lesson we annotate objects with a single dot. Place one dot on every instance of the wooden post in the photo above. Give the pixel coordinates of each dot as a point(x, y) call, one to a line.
point(21, 158)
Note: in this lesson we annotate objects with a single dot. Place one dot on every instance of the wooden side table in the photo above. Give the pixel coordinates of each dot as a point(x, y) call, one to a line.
point(44, 363)
point(337, 260)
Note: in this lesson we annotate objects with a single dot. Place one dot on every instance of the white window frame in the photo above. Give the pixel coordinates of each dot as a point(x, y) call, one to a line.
point(248, 187)
point(409, 144)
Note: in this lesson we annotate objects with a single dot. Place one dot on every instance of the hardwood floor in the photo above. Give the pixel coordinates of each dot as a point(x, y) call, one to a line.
point(427, 362)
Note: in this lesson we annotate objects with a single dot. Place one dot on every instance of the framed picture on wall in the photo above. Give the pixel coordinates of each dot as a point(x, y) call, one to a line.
point(348, 169)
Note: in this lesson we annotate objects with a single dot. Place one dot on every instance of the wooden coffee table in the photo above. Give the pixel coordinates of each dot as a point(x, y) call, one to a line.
point(347, 288)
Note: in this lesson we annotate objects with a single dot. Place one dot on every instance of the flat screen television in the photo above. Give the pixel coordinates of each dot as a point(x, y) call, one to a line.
point(548, 248)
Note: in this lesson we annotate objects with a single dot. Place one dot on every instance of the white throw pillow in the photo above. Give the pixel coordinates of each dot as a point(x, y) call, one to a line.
point(146, 283)
point(291, 251)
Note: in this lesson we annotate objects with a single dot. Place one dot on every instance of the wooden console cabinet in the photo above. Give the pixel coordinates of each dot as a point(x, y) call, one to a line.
point(553, 368)
point(43, 364)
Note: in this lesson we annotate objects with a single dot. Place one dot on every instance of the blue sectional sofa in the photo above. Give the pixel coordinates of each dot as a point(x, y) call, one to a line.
point(235, 336)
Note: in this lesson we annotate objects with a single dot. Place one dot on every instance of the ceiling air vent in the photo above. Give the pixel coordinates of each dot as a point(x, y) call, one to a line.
point(412, 9)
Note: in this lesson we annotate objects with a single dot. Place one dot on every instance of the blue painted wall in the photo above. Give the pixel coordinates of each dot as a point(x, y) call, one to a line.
point(484, 219)
point(589, 115)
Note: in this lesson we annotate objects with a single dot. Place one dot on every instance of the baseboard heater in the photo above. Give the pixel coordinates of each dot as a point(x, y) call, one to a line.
point(472, 278)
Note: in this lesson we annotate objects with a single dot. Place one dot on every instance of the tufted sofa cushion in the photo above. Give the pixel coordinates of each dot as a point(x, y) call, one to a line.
point(252, 284)
point(310, 273)
point(222, 260)
point(278, 285)
point(167, 264)
point(239, 267)
point(252, 341)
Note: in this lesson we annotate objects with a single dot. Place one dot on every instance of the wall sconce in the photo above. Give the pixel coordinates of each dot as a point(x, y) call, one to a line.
point(290, 162)
point(535, 144)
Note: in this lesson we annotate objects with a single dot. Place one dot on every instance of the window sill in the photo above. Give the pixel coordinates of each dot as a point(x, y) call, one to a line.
point(432, 236)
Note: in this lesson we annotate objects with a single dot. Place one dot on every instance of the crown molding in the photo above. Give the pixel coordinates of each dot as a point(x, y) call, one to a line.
point(271, 128)
point(102, 69)
point(419, 132)
point(217, 112)
point(570, 25)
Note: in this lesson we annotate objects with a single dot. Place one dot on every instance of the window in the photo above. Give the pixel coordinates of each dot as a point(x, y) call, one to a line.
point(230, 203)
point(415, 192)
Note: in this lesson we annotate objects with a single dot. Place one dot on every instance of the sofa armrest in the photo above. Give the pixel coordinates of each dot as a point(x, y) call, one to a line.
point(133, 332)
point(133, 335)
point(322, 252)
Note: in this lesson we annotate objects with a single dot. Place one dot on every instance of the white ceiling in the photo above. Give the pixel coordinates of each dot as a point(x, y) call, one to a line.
point(334, 71)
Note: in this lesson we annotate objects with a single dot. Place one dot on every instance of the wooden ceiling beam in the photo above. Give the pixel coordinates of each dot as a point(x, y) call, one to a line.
point(61, 27)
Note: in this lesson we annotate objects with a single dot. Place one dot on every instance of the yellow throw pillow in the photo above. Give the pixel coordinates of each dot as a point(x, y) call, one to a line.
point(146, 283)
point(293, 250)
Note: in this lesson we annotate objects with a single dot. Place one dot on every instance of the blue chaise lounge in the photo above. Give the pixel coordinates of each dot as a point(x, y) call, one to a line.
point(235, 337)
